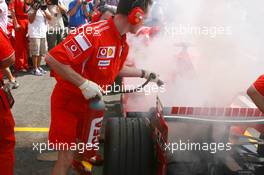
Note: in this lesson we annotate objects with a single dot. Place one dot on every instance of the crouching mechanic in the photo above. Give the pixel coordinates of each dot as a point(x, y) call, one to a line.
point(89, 59)
point(7, 136)
point(256, 93)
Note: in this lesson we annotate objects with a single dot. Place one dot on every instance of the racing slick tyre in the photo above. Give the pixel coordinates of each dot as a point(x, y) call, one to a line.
point(128, 147)
point(216, 170)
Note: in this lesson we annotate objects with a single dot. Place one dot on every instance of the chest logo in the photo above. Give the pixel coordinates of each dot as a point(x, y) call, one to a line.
point(106, 52)
point(104, 63)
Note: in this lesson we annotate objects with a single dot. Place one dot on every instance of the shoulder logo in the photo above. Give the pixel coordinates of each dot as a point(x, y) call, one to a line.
point(106, 52)
point(73, 48)
point(83, 41)
point(77, 45)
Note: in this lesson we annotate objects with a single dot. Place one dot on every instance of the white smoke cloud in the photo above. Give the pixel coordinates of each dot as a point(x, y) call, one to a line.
point(225, 47)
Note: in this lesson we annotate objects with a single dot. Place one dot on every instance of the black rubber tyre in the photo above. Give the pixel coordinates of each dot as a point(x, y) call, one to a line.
point(217, 170)
point(128, 147)
point(261, 147)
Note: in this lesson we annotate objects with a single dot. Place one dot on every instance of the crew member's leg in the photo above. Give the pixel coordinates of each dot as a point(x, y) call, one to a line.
point(7, 136)
point(7, 141)
point(12, 81)
point(72, 122)
point(63, 163)
point(34, 48)
point(63, 129)
point(43, 52)
point(21, 46)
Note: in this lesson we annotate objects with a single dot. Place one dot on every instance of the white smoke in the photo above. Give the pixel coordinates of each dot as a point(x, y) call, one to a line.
point(225, 47)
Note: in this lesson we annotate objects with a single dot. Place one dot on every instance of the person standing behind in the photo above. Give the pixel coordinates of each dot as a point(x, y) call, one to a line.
point(55, 25)
point(37, 31)
point(20, 18)
point(3, 25)
point(112, 2)
point(78, 12)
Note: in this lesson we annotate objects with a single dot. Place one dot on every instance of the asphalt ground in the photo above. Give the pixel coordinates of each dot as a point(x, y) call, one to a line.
point(32, 113)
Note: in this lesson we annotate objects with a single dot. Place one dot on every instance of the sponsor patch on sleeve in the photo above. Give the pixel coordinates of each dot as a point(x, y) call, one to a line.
point(77, 45)
point(73, 48)
point(83, 41)
point(106, 52)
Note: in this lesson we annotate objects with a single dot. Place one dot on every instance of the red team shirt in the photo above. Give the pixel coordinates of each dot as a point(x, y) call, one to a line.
point(259, 85)
point(19, 7)
point(96, 51)
point(7, 136)
point(5, 48)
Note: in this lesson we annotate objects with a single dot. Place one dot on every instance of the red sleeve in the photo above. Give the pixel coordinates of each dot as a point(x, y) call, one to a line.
point(11, 5)
point(75, 49)
point(259, 85)
point(124, 56)
point(5, 47)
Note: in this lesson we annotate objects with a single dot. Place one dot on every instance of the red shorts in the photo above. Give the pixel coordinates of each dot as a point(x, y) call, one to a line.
point(7, 140)
point(71, 119)
point(259, 85)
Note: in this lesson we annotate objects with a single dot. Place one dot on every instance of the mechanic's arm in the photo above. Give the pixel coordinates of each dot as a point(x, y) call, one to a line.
point(72, 11)
point(47, 14)
point(62, 7)
point(84, 8)
point(32, 16)
point(89, 89)
point(13, 16)
point(7, 62)
point(65, 71)
point(127, 71)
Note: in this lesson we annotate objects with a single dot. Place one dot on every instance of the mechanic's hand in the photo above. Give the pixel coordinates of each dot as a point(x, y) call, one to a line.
point(17, 27)
point(90, 90)
point(79, 2)
point(152, 76)
point(35, 6)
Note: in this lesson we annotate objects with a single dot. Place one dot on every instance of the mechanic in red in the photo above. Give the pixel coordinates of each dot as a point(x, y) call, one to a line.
point(256, 93)
point(89, 59)
point(7, 136)
point(19, 15)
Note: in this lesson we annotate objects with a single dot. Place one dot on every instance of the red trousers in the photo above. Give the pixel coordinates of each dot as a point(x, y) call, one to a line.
point(21, 45)
point(72, 121)
point(7, 141)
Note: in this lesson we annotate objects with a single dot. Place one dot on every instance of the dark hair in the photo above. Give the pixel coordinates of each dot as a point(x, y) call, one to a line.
point(104, 9)
point(125, 6)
